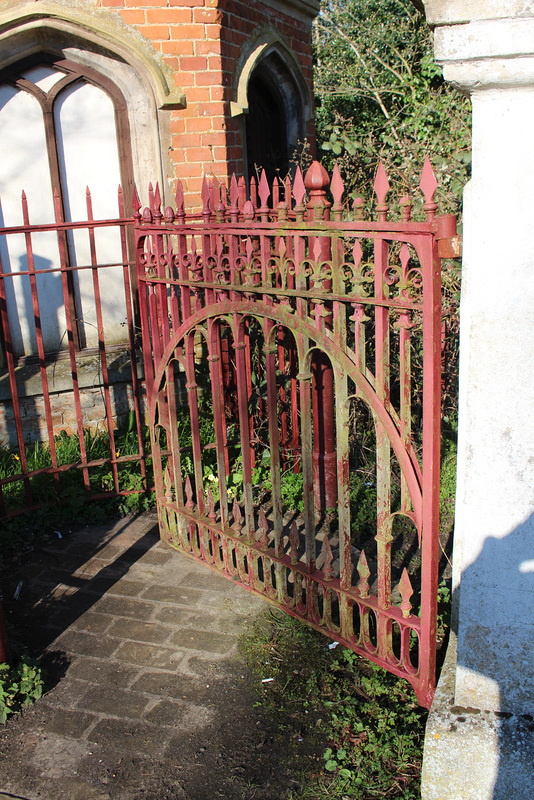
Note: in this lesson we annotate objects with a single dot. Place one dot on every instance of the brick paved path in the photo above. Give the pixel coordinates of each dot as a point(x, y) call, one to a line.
point(150, 699)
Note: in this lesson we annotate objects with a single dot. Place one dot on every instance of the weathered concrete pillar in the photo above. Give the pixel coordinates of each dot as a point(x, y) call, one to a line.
point(479, 740)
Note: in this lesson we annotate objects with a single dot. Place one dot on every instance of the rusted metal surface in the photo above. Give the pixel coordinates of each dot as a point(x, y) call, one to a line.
point(30, 276)
point(304, 334)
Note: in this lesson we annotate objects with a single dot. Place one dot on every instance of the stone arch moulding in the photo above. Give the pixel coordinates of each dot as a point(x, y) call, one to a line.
point(103, 42)
point(65, 24)
point(272, 100)
point(268, 44)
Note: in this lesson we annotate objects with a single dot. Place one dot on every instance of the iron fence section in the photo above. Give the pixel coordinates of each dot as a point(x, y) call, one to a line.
point(27, 279)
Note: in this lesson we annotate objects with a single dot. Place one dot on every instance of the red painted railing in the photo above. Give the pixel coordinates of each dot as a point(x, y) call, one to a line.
point(306, 466)
point(47, 279)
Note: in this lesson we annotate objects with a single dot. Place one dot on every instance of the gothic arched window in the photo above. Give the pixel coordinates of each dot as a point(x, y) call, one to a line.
point(63, 127)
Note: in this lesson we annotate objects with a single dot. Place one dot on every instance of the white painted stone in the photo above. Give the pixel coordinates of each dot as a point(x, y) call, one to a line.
point(452, 12)
point(471, 754)
point(495, 491)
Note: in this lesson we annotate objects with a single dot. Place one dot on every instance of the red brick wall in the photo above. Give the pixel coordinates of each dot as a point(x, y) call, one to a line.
point(201, 42)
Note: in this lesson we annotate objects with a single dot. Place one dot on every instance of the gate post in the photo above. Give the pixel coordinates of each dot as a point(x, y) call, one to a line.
point(324, 444)
point(480, 739)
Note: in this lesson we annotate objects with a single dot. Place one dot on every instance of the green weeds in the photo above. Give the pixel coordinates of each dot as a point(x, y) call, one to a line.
point(20, 685)
point(363, 724)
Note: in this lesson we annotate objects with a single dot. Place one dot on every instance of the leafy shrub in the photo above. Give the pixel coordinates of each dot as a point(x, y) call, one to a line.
point(20, 685)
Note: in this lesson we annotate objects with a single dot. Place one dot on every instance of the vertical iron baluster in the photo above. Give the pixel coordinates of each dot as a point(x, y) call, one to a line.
point(62, 243)
point(131, 340)
point(101, 341)
point(383, 447)
point(40, 343)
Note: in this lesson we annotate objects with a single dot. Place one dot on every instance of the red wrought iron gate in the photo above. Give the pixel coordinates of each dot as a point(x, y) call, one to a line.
point(305, 464)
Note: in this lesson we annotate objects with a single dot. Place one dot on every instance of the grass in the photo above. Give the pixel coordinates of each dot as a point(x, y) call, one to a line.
point(362, 726)
point(67, 447)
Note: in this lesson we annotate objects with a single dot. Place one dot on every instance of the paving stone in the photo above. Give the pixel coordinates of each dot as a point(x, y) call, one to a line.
point(182, 617)
point(69, 722)
point(168, 684)
point(140, 631)
point(87, 644)
point(228, 623)
point(114, 702)
point(124, 607)
point(173, 594)
point(148, 655)
point(75, 605)
point(174, 713)
point(114, 585)
point(156, 557)
point(56, 756)
point(105, 673)
point(208, 642)
point(205, 579)
point(66, 693)
point(133, 737)
point(92, 622)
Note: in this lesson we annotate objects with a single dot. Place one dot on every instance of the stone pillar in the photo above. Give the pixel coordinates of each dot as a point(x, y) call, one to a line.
point(479, 743)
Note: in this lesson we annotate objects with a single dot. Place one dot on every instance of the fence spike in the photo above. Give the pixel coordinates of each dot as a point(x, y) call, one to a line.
point(428, 186)
point(219, 206)
point(136, 204)
point(242, 186)
point(254, 192)
point(24, 202)
point(234, 196)
point(381, 187)
point(406, 591)
point(169, 214)
point(205, 195)
point(215, 192)
point(264, 192)
point(157, 203)
point(287, 191)
point(299, 190)
point(276, 192)
point(336, 187)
